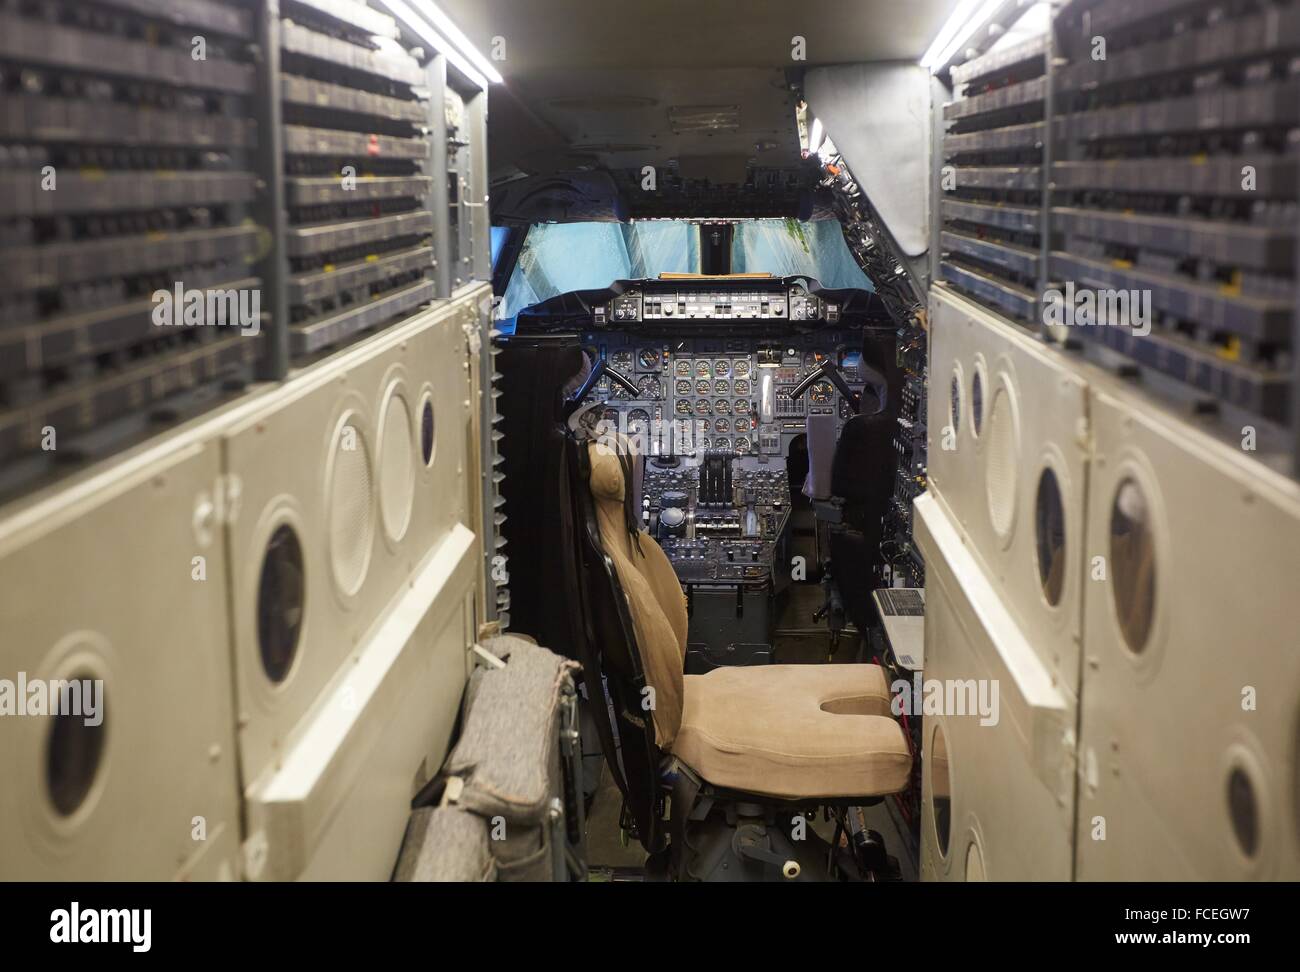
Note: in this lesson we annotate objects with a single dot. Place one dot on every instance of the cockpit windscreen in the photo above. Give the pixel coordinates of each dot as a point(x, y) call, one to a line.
point(559, 258)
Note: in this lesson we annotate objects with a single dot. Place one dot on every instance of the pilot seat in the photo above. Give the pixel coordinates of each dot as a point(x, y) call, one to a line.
point(745, 752)
point(849, 484)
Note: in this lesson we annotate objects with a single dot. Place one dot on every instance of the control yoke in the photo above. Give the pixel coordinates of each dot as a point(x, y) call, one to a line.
point(599, 371)
point(829, 370)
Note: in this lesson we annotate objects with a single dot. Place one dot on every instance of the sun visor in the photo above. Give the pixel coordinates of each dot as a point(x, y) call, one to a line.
point(879, 118)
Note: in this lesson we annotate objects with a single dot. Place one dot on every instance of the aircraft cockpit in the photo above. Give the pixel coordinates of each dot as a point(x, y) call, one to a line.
point(729, 387)
point(756, 413)
point(567, 441)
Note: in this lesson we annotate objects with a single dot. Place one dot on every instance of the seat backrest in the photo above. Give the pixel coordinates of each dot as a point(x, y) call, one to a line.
point(655, 601)
point(606, 640)
point(863, 468)
point(821, 431)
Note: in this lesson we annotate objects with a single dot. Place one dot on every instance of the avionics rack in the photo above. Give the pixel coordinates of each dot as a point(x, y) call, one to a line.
point(992, 179)
point(355, 160)
point(1179, 179)
point(125, 168)
point(292, 157)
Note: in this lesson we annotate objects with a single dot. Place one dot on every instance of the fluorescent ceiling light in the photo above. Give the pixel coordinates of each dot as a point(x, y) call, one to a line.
point(462, 43)
point(815, 136)
point(967, 18)
point(456, 47)
point(691, 119)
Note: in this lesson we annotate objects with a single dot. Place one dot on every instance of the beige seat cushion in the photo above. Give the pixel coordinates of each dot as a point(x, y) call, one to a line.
point(794, 731)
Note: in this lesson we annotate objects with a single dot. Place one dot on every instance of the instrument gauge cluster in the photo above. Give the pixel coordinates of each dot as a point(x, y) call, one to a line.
point(710, 388)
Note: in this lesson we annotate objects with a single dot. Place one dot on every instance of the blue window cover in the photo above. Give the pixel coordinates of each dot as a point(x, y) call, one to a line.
point(788, 248)
point(558, 258)
point(561, 257)
point(499, 234)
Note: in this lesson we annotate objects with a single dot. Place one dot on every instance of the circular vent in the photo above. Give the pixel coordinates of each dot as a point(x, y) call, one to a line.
point(426, 431)
point(351, 510)
point(1243, 810)
point(1049, 536)
point(941, 787)
point(74, 754)
point(397, 468)
point(1000, 473)
point(1133, 563)
point(974, 863)
point(954, 403)
point(281, 592)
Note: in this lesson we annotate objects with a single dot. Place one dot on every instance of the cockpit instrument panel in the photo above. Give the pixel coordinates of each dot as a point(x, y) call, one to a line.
point(714, 380)
point(662, 302)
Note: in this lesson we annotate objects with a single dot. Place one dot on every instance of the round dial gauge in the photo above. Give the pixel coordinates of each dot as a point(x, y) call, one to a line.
point(822, 392)
point(722, 425)
point(742, 425)
point(648, 385)
point(609, 415)
point(622, 360)
point(722, 445)
point(702, 425)
point(740, 386)
point(702, 407)
point(702, 369)
point(705, 443)
point(722, 407)
point(682, 369)
point(683, 406)
point(721, 369)
point(683, 386)
point(617, 391)
point(742, 444)
point(648, 359)
point(741, 368)
point(702, 386)
point(722, 387)
point(638, 421)
point(742, 406)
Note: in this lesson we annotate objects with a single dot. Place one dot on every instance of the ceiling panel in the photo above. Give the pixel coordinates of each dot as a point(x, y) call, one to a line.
point(598, 83)
point(543, 34)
